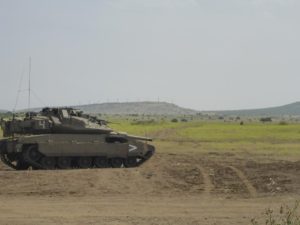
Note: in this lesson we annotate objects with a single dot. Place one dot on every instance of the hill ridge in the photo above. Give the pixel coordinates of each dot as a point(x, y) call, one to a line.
point(292, 109)
point(165, 108)
point(145, 107)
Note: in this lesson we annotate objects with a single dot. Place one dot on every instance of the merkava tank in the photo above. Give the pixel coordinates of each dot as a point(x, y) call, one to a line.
point(65, 138)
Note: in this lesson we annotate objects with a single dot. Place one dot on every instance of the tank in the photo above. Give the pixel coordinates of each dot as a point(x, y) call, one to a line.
point(65, 138)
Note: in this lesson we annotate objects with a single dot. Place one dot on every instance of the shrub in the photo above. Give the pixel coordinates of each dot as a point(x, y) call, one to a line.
point(266, 119)
point(283, 123)
point(287, 216)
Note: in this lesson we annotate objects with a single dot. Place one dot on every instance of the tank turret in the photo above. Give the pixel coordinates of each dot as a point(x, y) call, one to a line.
point(55, 120)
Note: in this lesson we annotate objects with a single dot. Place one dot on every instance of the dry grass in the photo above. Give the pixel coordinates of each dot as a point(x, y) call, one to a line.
point(286, 216)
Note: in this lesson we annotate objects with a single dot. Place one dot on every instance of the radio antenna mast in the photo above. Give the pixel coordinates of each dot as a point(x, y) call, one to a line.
point(29, 87)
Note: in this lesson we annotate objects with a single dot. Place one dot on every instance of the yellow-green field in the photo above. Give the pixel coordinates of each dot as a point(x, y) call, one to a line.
point(219, 136)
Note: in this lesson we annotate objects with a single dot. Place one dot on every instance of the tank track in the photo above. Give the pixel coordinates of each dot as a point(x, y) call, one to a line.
point(27, 161)
point(7, 162)
point(148, 155)
point(4, 157)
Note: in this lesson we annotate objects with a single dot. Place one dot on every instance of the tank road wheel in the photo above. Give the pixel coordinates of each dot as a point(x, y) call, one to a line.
point(84, 162)
point(101, 162)
point(130, 162)
point(48, 163)
point(64, 162)
point(32, 153)
point(116, 162)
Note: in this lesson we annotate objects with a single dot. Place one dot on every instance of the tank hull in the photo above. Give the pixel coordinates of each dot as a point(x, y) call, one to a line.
point(49, 151)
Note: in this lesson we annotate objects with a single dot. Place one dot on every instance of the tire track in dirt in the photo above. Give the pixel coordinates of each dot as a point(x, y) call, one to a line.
point(208, 185)
point(251, 189)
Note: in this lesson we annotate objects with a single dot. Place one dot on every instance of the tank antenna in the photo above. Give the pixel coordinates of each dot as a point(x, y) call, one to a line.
point(29, 85)
point(19, 90)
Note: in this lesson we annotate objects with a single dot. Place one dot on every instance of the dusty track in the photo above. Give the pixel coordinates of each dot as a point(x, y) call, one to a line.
point(169, 189)
point(208, 186)
point(251, 189)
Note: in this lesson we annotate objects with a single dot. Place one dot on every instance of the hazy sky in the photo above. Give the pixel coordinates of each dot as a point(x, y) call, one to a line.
point(202, 54)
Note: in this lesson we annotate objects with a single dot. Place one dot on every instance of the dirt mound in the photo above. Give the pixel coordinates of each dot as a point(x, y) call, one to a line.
point(164, 174)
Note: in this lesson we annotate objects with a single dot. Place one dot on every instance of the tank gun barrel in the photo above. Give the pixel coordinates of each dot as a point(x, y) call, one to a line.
point(140, 138)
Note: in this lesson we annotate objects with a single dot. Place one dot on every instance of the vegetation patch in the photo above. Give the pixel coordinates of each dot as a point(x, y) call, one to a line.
point(286, 216)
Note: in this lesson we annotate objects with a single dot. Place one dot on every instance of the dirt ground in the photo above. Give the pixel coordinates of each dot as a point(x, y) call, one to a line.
point(193, 188)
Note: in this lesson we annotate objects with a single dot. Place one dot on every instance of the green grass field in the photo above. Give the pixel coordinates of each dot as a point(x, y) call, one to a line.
point(219, 136)
point(217, 131)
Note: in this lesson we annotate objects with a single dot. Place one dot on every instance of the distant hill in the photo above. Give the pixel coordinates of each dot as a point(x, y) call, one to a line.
point(148, 108)
point(164, 108)
point(285, 110)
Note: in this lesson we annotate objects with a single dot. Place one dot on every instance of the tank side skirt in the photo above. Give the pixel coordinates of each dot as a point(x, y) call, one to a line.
point(49, 143)
point(78, 145)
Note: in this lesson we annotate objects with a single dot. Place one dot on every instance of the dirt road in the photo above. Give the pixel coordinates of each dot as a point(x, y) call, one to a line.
point(168, 189)
point(132, 210)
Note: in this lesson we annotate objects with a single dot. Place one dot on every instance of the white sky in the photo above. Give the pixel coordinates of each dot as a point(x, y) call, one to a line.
point(201, 54)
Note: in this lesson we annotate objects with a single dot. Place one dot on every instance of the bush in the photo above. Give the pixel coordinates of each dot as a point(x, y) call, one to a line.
point(287, 216)
point(266, 119)
point(174, 120)
point(283, 123)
